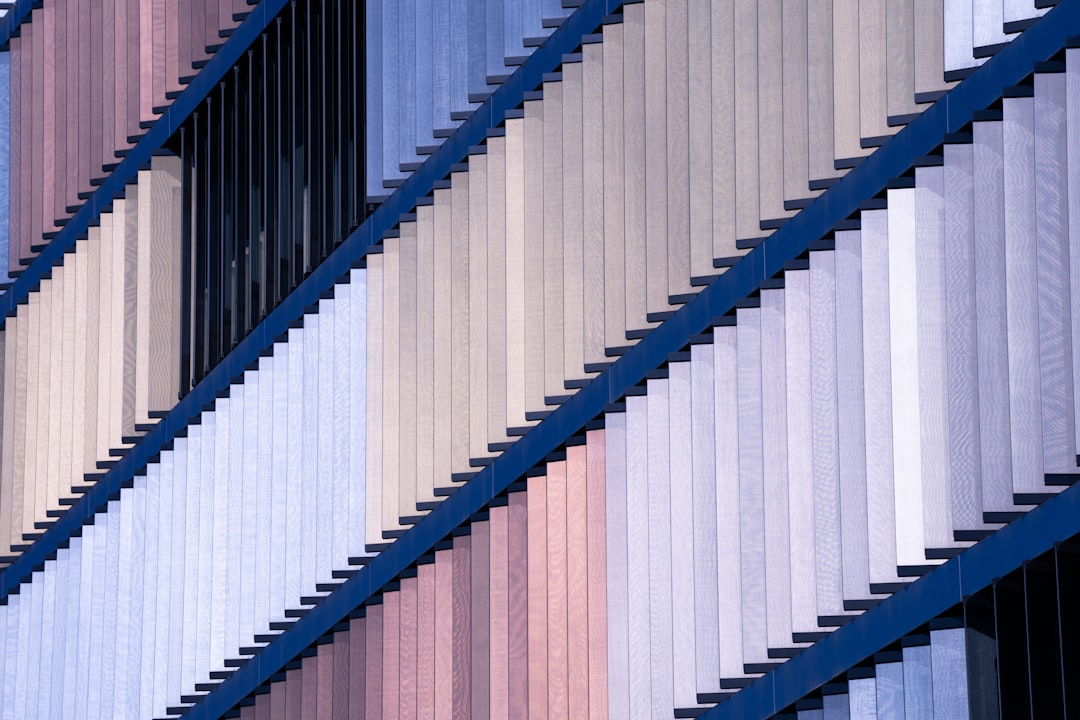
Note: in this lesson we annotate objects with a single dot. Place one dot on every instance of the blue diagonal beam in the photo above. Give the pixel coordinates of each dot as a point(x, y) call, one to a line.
point(15, 17)
point(949, 114)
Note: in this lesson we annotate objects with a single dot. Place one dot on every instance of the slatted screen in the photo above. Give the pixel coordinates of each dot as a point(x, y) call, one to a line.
point(429, 64)
point(234, 528)
point(90, 362)
point(86, 81)
point(842, 479)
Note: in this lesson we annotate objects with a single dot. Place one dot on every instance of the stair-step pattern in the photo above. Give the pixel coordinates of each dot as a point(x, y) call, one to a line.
point(430, 63)
point(228, 536)
point(87, 79)
point(90, 361)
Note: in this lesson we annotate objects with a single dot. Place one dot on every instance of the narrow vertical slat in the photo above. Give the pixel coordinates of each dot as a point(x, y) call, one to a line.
point(989, 229)
point(479, 610)
point(959, 30)
point(862, 695)
point(918, 681)
point(443, 622)
point(441, 62)
point(48, 19)
point(962, 359)
point(615, 260)
point(1051, 217)
point(424, 73)
point(374, 425)
point(32, 489)
point(293, 694)
point(498, 616)
point(873, 78)
point(571, 209)
point(851, 418)
point(518, 606)
point(11, 349)
point(373, 79)
point(476, 345)
point(846, 82)
point(358, 413)
point(556, 357)
point(557, 590)
point(801, 72)
point(443, 342)
point(511, 153)
point(462, 649)
point(678, 150)
point(221, 538)
point(104, 152)
point(800, 453)
point(425, 642)
point(699, 136)
point(599, 324)
point(774, 470)
point(930, 288)
point(278, 699)
point(459, 291)
point(1072, 142)
point(1021, 294)
point(14, 174)
point(889, 685)
point(391, 655)
point(358, 668)
point(596, 489)
point(375, 658)
point(426, 312)
point(702, 432)
point(309, 686)
point(987, 29)
point(900, 62)
point(729, 571)
point(407, 402)
point(533, 172)
point(538, 597)
point(929, 48)
point(340, 692)
point(684, 549)
point(949, 678)
point(745, 118)
point(577, 581)
point(751, 491)
point(635, 531)
point(495, 282)
point(6, 92)
point(407, 658)
point(391, 378)
point(629, 102)
point(194, 563)
point(771, 113)
point(820, 91)
point(823, 379)
point(656, 159)
point(877, 354)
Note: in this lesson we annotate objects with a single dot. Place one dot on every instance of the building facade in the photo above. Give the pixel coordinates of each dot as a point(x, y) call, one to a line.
point(538, 358)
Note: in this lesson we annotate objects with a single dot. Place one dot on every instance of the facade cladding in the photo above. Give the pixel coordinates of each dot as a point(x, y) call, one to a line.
point(538, 358)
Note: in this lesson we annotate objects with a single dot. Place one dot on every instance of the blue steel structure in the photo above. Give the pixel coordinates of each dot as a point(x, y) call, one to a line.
point(1056, 520)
